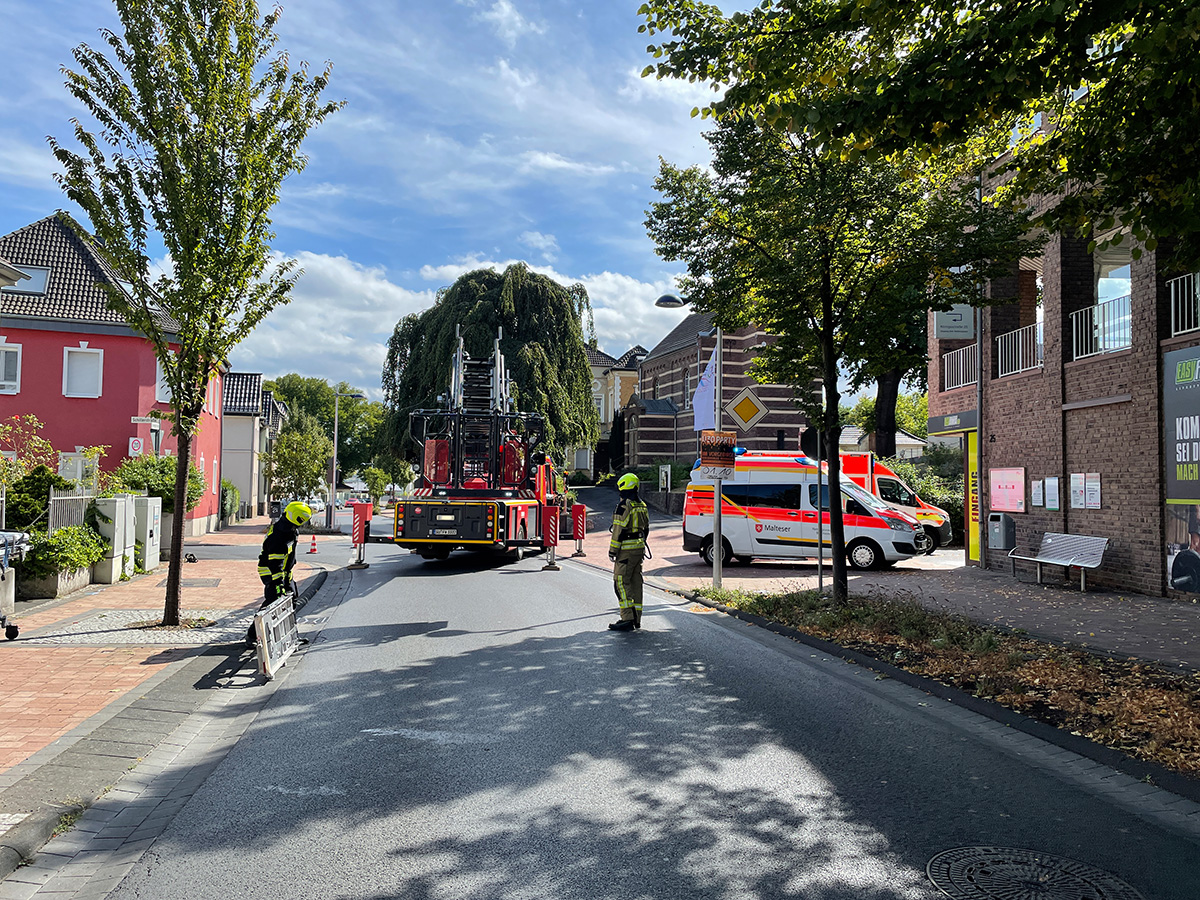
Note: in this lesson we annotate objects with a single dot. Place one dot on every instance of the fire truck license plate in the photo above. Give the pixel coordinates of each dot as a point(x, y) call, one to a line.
point(444, 531)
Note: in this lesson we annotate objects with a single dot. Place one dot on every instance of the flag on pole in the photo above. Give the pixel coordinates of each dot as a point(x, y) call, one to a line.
point(704, 401)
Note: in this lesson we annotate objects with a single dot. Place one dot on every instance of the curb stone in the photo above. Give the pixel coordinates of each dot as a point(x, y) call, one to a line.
point(21, 843)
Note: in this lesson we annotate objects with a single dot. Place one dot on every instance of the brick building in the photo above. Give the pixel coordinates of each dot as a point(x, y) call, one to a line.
point(1070, 396)
point(659, 420)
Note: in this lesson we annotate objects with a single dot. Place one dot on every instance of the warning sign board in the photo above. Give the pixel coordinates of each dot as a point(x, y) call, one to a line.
point(746, 409)
point(716, 454)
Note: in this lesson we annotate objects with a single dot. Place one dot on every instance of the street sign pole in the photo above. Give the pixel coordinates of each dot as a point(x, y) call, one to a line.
point(718, 497)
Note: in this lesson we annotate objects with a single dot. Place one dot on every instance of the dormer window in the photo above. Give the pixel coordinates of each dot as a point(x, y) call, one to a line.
point(39, 277)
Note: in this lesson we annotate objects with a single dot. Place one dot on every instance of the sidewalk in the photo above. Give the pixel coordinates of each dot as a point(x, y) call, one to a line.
point(86, 694)
point(1126, 625)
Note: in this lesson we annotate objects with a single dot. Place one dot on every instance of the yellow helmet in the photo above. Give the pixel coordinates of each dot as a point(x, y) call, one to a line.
point(627, 482)
point(297, 513)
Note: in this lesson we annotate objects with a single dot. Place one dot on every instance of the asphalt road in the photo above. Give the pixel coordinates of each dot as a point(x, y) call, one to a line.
point(463, 729)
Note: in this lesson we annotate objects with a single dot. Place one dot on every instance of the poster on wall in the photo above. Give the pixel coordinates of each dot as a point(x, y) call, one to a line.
point(1052, 492)
point(1181, 463)
point(1077, 496)
point(1007, 490)
point(1035, 488)
point(1091, 490)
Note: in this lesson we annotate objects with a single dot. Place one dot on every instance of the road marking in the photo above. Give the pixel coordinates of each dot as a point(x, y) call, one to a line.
point(322, 790)
point(433, 737)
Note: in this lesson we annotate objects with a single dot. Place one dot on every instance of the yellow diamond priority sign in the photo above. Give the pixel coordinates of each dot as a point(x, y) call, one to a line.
point(746, 409)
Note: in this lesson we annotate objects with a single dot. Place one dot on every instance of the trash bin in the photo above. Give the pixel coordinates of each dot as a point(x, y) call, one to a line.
point(1002, 531)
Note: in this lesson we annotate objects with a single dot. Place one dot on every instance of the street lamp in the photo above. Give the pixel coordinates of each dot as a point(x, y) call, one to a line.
point(331, 510)
point(670, 301)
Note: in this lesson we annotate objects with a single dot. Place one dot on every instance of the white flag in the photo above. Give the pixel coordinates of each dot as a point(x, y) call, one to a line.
point(704, 401)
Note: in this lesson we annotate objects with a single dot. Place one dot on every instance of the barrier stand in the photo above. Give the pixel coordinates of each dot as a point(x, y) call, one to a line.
point(359, 532)
point(578, 527)
point(550, 537)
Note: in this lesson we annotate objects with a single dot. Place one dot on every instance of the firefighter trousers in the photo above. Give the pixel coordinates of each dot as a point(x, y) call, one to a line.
point(272, 590)
point(627, 582)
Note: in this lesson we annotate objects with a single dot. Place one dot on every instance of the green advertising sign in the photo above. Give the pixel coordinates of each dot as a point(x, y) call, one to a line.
point(1181, 423)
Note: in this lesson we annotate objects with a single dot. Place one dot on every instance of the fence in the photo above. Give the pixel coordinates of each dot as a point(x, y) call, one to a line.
point(3, 496)
point(1019, 351)
point(67, 507)
point(1103, 328)
point(961, 367)
point(1185, 304)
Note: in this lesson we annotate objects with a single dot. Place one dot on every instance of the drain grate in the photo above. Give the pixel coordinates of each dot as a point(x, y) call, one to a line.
point(1002, 873)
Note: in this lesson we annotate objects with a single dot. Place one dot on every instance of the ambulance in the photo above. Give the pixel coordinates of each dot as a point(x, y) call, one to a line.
point(867, 472)
point(769, 511)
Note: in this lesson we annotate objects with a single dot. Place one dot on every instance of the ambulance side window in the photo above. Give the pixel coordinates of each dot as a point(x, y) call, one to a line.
point(778, 496)
point(892, 491)
point(812, 496)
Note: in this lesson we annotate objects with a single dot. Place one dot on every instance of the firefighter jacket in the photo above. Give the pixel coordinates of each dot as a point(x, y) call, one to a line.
point(630, 525)
point(278, 551)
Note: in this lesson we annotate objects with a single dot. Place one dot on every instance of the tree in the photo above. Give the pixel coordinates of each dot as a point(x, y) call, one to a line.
point(359, 422)
point(397, 469)
point(815, 250)
point(1115, 83)
point(377, 482)
point(911, 414)
point(21, 437)
point(295, 466)
point(198, 128)
point(543, 344)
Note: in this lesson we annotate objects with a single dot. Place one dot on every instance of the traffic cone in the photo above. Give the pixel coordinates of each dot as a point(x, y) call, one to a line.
point(313, 548)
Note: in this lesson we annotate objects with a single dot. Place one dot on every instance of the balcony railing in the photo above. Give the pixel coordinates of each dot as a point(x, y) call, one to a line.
point(1104, 328)
point(960, 367)
point(1185, 303)
point(1020, 350)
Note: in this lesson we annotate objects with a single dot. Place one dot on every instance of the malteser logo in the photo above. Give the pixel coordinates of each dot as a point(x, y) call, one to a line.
point(1187, 371)
point(758, 526)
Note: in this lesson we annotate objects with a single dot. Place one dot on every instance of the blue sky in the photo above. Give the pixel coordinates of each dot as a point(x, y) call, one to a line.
point(475, 133)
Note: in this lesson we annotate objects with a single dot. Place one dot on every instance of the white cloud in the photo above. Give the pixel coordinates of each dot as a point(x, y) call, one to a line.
point(546, 244)
point(507, 21)
point(534, 160)
point(29, 165)
point(336, 327)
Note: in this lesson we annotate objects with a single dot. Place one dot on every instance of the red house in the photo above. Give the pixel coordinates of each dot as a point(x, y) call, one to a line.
point(69, 359)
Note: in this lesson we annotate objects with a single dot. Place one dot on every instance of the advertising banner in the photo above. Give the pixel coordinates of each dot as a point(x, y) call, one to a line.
point(1181, 449)
point(716, 454)
point(1007, 490)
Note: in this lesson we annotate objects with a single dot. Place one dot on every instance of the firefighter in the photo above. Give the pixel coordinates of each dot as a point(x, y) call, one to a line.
point(627, 548)
point(278, 556)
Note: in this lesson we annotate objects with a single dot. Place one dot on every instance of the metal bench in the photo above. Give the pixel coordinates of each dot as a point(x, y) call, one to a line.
point(1080, 550)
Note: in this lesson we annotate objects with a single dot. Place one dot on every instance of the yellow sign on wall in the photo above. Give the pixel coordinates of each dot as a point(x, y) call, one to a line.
point(972, 515)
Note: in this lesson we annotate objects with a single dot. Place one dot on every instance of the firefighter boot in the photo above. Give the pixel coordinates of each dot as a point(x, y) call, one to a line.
point(622, 625)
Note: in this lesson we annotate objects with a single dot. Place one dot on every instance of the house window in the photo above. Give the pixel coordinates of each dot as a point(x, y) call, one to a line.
point(77, 467)
point(39, 277)
point(83, 371)
point(687, 389)
point(162, 390)
point(10, 368)
point(216, 477)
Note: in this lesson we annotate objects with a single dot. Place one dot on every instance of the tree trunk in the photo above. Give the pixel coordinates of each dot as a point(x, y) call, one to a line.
point(887, 391)
point(172, 602)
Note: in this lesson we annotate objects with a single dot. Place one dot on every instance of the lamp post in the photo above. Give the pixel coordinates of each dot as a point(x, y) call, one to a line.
point(331, 510)
point(670, 301)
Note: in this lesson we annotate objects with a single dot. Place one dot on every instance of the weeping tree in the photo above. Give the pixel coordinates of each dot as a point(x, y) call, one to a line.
point(543, 343)
point(199, 124)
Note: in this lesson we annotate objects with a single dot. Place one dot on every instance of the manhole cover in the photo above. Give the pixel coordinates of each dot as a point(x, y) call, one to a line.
point(194, 582)
point(1002, 873)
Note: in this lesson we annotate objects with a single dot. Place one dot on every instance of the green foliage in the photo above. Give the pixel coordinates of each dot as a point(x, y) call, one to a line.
point(377, 482)
point(359, 422)
point(1118, 93)
point(156, 475)
point(29, 498)
point(399, 470)
point(936, 481)
point(231, 499)
point(67, 550)
point(543, 345)
point(298, 463)
point(579, 477)
point(21, 436)
point(912, 414)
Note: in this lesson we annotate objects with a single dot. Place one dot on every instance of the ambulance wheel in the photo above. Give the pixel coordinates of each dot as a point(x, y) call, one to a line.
point(930, 543)
point(864, 554)
point(706, 551)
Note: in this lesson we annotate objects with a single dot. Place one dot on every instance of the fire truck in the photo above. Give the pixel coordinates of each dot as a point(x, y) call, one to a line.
point(483, 484)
